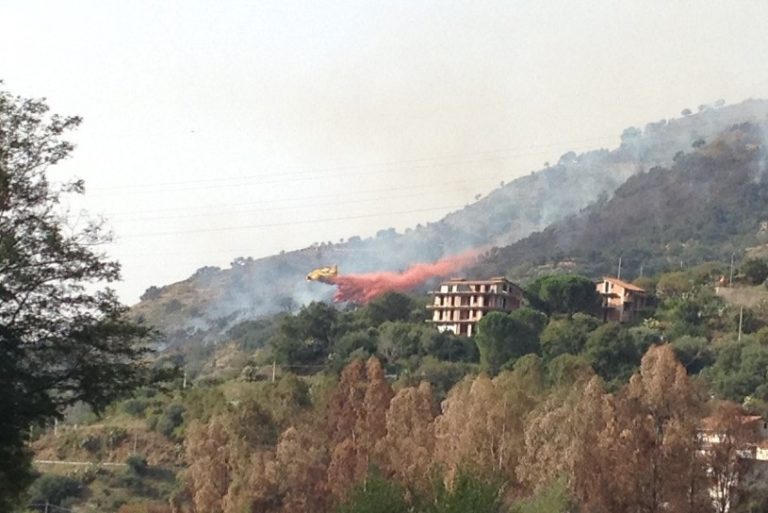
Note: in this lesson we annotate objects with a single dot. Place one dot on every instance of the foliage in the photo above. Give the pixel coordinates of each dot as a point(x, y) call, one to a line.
point(695, 353)
point(394, 306)
point(566, 335)
point(137, 464)
point(501, 338)
point(564, 293)
point(739, 370)
point(674, 284)
point(54, 489)
point(171, 418)
point(612, 352)
point(375, 495)
point(554, 498)
point(755, 270)
point(305, 339)
point(468, 493)
point(134, 407)
point(441, 375)
point(706, 205)
point(252, 334)
point(64, 335)
point(145, 507)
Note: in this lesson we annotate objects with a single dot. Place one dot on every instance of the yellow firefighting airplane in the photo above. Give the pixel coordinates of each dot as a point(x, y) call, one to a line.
point(323, 274)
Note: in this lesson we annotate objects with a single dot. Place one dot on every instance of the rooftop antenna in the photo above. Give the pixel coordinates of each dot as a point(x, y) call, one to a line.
point(618, 273)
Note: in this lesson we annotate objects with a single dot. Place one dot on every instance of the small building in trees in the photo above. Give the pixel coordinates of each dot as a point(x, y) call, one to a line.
point(461, 303)
point(748, 432)
point(621, 300)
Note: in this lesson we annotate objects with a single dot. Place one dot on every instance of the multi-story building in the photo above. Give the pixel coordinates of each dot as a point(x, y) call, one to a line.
point(460, 303)
point(621, 300)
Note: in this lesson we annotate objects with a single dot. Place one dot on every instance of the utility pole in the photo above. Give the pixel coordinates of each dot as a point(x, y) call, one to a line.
point(135, 441)
point(274, 370)
point(46, 506)
point(730, 280)
point(741, 320)
point(184, 382)
point(618, 273)
point(641, 270)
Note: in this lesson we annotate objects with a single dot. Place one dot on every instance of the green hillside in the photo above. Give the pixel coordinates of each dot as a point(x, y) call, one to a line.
point(710, 203)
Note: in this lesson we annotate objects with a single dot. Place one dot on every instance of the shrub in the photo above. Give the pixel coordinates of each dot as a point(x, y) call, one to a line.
point(145, 507)
point(755, 270)
point(171, 418)
point(375, 495)
point(54, 489)
point(134, 407)
point(137, 464)
point(91, 443)
point(469, 493)
point(115, 436)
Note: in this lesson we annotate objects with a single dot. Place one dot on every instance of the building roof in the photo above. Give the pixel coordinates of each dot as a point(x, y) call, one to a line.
point(710, 423)
point(489, 281)
point(624, 284)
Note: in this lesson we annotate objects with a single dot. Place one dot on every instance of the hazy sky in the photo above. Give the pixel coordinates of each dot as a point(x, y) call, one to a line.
point(222, 129)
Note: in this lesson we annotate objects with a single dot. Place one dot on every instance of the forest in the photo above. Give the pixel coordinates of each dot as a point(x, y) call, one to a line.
point(546, 409)
point(341, 407)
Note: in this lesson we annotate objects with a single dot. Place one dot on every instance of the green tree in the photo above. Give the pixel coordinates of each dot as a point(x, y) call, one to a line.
point(375, 495)
point(534, 319)
point(755, 270)
point(612, 352)
point(564, 293)
point(567, 335)
point(554, 498)
point(54, 489)
point(468, 493)
point(739, 370)
point(306, 338)
point(64, 337)
point(674, 284)
point(399, 340)
point(393, 306)
point(501, 338)
point(695, 353)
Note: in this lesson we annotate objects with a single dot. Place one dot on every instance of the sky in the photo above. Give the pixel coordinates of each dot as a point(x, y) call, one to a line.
point(222, 129)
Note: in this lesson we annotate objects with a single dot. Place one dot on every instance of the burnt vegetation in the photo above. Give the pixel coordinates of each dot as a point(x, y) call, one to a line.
point(285, 404)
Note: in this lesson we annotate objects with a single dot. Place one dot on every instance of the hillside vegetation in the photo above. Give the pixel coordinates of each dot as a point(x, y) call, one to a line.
point(203, 307)
point(711, 203)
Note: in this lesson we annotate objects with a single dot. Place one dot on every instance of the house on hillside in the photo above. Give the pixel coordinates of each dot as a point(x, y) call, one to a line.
point(751, 429)
point(460, 303)
point(621, 300)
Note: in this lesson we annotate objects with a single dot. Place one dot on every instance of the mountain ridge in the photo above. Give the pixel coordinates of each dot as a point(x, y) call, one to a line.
point(212, 299)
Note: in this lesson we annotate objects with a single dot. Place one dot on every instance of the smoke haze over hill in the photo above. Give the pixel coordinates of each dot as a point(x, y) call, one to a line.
point(214, 298)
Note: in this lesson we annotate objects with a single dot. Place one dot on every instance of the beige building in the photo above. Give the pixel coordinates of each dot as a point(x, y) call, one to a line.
point(460, 303)
point(621, 300)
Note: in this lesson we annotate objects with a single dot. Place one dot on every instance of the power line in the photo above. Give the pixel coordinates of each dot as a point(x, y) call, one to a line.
point(432, 189)
point(319, 173)
point(302, 198)
point(289, 223)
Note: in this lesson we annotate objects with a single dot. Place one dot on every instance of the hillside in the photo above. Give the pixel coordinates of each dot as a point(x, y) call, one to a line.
point(710, 203)
point(205, 305)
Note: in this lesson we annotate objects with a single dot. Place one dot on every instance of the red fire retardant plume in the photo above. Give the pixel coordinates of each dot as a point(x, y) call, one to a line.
point(361, 288)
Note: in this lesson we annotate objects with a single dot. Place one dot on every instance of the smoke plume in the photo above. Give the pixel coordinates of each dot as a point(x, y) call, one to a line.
point(362, 288)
